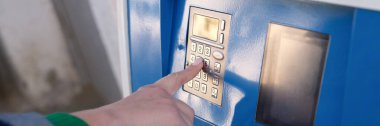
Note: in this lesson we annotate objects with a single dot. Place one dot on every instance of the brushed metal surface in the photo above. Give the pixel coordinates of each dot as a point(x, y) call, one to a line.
point(207, 37)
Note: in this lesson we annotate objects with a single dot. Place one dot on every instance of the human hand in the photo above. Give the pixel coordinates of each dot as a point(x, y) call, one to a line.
point(151, 105)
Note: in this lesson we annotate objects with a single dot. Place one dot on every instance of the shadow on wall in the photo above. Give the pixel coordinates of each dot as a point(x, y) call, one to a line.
point(38, 69)
point(10, 95)
point(14, 95)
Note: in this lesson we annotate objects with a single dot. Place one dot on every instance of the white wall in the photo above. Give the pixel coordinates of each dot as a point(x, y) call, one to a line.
point(105, 18)
point(110, 19)
point(39, 43)
point(36, 47)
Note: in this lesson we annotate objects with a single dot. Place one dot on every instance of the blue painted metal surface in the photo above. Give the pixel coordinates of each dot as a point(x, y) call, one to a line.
point(362, 95)
point(166, 10)
point(158, 32)
point(145, 42)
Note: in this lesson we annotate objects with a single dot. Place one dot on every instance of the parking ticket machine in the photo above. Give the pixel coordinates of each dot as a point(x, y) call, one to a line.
point(268, 62)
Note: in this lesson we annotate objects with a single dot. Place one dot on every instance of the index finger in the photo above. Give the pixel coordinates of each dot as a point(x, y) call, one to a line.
point(173, 82)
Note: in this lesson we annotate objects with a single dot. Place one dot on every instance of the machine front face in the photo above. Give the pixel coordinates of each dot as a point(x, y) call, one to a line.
point(268, 74)
point(267, 60)
point(208, 38)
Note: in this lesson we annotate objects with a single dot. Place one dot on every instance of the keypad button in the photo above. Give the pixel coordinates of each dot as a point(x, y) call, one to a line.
point(190, 83)
point(192, 59)
point(200, 49)
point(198, 57)
point(204, 76)
point(221, 38)
point(196, 85)
point(218, 55)
point(207, 51)
point(222, 25)
point(203, 88)
point(198, 75)
point(207, 61)
point(193, 47)
point(217, 67)
point(214, 92)
point(215, 81)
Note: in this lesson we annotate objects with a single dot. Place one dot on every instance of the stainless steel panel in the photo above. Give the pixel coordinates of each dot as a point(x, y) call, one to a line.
point(291, 76)
point(204, 25)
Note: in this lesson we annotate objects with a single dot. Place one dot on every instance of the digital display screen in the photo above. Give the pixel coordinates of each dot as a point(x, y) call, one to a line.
point(205, 27)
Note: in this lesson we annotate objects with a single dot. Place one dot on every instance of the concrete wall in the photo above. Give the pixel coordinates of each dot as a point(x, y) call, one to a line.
point(63, 54)
point(87, 25)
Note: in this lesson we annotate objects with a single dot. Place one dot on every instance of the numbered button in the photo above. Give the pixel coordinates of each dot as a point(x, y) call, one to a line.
point(198, 75)
point(200, 49)
point(203, 88)
point(207, 61)
point(193, 47)
point(198, 57)
point(196, 85)
point(214, 93)
point(192, 59)
point(204, 76)
point(217, 67)
point(215, 81)
point(207, 51)
point(190, 83)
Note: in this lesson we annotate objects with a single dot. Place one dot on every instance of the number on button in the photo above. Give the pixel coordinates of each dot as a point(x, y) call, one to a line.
point(196, 85)
point(190, 83)
point(193, 47)
point(199, 75)
point(217, 67)
point(215, 81)
point(200, 49)
point(214, 92)
point(192, 59)
point(207, 61)
point(204, 76)
point(203, 88)
point(207, 51)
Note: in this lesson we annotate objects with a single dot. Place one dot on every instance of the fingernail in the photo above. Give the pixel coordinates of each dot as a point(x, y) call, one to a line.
point(198, 61)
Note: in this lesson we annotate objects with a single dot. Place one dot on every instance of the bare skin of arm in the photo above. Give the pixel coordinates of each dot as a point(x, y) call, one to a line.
point(153, 104)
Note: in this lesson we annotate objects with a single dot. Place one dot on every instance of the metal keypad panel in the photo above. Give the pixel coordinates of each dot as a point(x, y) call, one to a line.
point(208, 84)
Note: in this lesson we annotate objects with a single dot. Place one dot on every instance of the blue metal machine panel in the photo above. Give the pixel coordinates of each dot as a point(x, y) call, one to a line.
point(158, 32)
point(250, 20)
point(166, 16)
point(361, 99)
point(145, 42)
